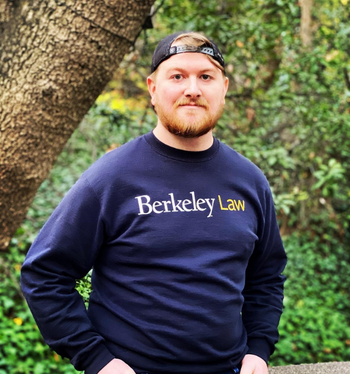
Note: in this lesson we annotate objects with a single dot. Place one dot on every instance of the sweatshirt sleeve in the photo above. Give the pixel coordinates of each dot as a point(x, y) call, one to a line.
point(263, 292)
point(64, 251)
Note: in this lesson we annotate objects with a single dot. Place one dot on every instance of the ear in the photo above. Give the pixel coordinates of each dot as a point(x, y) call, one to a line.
point(151, 88)
point(225, 89)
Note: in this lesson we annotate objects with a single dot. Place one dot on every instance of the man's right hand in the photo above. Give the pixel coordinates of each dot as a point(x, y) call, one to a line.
point(116, 366)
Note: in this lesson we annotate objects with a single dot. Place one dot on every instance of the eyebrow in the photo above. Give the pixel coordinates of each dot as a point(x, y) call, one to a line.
point(181, 70)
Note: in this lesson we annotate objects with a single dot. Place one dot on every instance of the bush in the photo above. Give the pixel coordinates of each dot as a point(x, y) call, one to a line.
point(315, 324)
point(22, 349)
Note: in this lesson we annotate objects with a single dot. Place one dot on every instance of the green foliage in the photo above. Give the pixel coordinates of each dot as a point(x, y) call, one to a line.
point(287, 110)
point(328, 176)
point(315, 324)
point(84, 287)
point(22, 349)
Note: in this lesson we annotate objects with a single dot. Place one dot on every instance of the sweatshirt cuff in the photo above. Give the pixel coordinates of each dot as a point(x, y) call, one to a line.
point(259, 347)
point(98, 360)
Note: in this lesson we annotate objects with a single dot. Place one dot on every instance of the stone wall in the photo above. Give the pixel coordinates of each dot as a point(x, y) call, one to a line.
point(324, 368)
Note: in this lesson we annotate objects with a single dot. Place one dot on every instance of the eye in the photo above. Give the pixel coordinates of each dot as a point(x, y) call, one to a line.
point(177, 77)
point(206, 77)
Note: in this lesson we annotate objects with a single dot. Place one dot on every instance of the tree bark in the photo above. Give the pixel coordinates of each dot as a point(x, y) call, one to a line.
point(55, 59)
point(6, 10)
point(305, 23)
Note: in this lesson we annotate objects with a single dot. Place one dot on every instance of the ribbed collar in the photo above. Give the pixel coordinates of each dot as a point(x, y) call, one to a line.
point(179, 154)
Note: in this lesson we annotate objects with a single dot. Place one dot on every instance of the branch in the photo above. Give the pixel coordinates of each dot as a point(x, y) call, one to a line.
point(347, 79)
point(154, 12)
point(305, 22)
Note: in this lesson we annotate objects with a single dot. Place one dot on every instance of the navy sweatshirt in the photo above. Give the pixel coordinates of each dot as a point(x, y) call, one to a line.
point(186, 256)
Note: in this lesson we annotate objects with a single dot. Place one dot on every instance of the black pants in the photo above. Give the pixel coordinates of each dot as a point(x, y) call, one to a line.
point(235, 370)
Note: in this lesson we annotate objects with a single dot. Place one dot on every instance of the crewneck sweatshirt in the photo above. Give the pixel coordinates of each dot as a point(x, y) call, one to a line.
point(186, 256)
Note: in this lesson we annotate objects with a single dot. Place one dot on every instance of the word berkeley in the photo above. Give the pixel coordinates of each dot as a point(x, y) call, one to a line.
point(186, 205)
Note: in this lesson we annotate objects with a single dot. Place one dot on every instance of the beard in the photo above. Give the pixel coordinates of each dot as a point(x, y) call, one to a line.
point(189, 123)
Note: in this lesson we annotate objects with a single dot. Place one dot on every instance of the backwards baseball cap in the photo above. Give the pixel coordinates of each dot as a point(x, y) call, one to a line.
point(164, 50)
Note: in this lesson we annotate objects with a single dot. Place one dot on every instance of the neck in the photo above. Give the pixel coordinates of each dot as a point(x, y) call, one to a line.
point(201, 143)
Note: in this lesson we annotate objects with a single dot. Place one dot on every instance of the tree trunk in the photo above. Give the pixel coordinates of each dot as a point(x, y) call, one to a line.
point(55, 59)
point(305, 23)
point(5, 12)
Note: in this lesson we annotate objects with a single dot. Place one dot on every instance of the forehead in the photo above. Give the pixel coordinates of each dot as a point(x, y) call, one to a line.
point(190, 61)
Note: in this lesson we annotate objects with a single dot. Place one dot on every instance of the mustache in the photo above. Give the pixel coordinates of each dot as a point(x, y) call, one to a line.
point(201, 102)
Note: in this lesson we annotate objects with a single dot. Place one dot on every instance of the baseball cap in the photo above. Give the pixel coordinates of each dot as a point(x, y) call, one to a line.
point(164, 50)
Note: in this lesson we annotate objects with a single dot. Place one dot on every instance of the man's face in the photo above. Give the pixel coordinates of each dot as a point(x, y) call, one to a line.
point(188, 94)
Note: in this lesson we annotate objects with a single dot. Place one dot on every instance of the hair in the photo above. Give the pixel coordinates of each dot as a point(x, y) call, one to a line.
point(195, 39)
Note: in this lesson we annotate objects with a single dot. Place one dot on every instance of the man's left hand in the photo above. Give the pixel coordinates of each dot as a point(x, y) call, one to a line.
point(252, 364)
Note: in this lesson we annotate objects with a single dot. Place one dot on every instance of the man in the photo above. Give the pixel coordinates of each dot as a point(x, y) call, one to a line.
point(182, 236)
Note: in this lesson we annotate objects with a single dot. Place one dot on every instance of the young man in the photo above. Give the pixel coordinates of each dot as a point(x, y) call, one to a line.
point(182, 236)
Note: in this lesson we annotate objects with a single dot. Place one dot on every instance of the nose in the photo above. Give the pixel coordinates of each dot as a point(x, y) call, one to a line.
point(192, 90)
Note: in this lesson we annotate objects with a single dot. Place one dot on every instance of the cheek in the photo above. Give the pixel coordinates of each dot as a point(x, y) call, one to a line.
point(217, 96)
point(221, 99)
point(217, 101)
point(167, 98)
point(157, 98)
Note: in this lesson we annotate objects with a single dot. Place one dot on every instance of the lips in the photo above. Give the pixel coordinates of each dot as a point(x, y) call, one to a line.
point(192, 105)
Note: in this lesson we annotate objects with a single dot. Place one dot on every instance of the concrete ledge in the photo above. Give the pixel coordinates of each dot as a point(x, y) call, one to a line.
point(323, 368)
